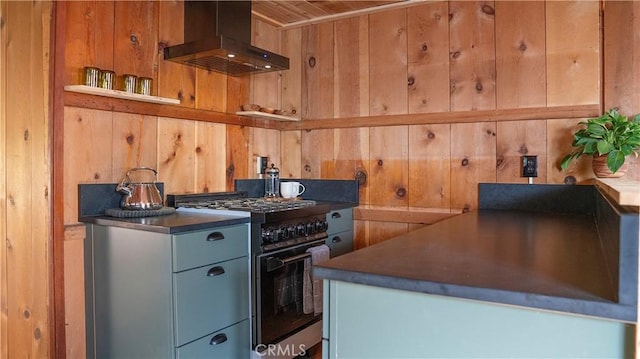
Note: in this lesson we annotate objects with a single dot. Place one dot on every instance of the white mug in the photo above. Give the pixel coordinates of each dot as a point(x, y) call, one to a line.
point(291, 189)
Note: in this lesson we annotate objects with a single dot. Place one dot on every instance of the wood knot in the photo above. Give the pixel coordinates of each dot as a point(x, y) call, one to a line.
point(465, 209)
point(230, 170)
point(522, 47)
point(205, 189)
point(133, 38)
point(380, 163)
point(171, 157)
point(570, 180)
point(37, 334)
point(491, 133)
point(26, 135)
point(465, 162)
point(198, 149)
point(431, 135)
point(450, 16)
point(361, 177)
point(26, 314)
point(294, 111)
point(130, 139)
point(180, 96)
point(96, 176)
point(437, 17)
point(455, 54)
point(312, 62)
point(424, 48)
point(479, 86)
point(401, 192)
point(488, 10)
point(307, 168)
point(452, 86)
point(411, 81)
point(499, 161)
point(523, 149)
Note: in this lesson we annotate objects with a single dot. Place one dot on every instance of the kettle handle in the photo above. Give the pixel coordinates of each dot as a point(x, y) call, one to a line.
point(124, 185)
point(155, 173)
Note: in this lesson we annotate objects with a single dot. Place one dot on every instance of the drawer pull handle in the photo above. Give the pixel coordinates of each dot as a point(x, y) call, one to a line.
point(215, 271)
point(336, 215)
point(215, 236)
point(336, 239)
point(218, 339)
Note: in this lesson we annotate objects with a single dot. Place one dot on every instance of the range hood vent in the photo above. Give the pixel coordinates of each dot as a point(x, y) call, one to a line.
point(218, 38)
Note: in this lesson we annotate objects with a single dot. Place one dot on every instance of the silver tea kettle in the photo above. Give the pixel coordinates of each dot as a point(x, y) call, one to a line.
point(140, 195)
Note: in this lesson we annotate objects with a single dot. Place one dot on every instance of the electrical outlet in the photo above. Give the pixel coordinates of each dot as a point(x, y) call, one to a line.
point(529, 166)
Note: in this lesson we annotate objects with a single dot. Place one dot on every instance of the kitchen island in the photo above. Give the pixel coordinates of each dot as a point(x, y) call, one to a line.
point(536, 271)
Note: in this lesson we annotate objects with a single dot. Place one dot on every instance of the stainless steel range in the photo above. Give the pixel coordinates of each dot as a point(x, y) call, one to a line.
point(282, 233)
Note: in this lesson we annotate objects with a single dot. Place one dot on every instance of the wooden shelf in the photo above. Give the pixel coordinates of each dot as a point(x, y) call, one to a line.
point(265, 115)
point(120, 94)
point(498, 115)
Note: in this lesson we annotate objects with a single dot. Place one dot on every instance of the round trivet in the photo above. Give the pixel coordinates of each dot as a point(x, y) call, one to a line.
point(133, 213)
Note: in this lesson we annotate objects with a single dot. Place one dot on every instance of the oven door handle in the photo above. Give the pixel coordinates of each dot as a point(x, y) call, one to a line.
point(274, 263)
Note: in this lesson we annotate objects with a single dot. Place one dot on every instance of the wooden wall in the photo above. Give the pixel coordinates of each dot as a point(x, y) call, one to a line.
point(467, 60)
point(26, 266)
point(426, 101)
point(102, 144)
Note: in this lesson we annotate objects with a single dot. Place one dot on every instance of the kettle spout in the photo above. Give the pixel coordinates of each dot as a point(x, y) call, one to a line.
point(124, 189)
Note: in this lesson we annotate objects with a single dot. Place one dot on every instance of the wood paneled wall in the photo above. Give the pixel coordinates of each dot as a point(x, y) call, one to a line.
point(190, 156)
point(26, 266)
point(435, 58)
point(440, 57)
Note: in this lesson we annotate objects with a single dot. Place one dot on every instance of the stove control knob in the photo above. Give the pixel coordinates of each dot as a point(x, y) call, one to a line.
point(310, 228)
point(277, 235)
point(291, 231)
point(282, 233)
point(267, 235)
point(301, 229)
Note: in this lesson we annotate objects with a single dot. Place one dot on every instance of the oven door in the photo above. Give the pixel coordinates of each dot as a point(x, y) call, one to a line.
point(280, 308)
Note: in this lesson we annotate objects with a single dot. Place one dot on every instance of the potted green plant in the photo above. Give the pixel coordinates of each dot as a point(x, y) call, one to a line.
point(609, 138)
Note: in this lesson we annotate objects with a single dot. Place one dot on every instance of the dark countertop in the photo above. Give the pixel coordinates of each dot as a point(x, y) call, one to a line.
point(541, 260)
point(171, 224)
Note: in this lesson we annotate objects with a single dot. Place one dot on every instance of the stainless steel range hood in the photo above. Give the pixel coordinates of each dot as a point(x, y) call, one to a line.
point(218, 38)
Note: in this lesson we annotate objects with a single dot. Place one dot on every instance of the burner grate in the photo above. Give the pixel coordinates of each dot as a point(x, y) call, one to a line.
point(250, 204)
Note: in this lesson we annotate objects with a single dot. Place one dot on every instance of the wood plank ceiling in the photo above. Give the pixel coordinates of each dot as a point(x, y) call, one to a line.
point(293, 13)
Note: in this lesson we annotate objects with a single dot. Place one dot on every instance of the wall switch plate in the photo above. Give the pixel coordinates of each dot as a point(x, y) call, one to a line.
point(529, 166)
point(261, 164)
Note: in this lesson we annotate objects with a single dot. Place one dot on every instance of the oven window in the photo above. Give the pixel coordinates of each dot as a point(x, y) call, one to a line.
point(282, 296)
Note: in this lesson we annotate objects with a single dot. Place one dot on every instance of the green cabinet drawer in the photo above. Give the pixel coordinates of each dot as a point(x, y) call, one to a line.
point(201, 248)
point(209, 298)
point(340, 220)
point(340, 243)
point(230, 342)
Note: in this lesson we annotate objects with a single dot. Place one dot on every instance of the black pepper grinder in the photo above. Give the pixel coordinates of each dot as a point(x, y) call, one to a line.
point(272, 182)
